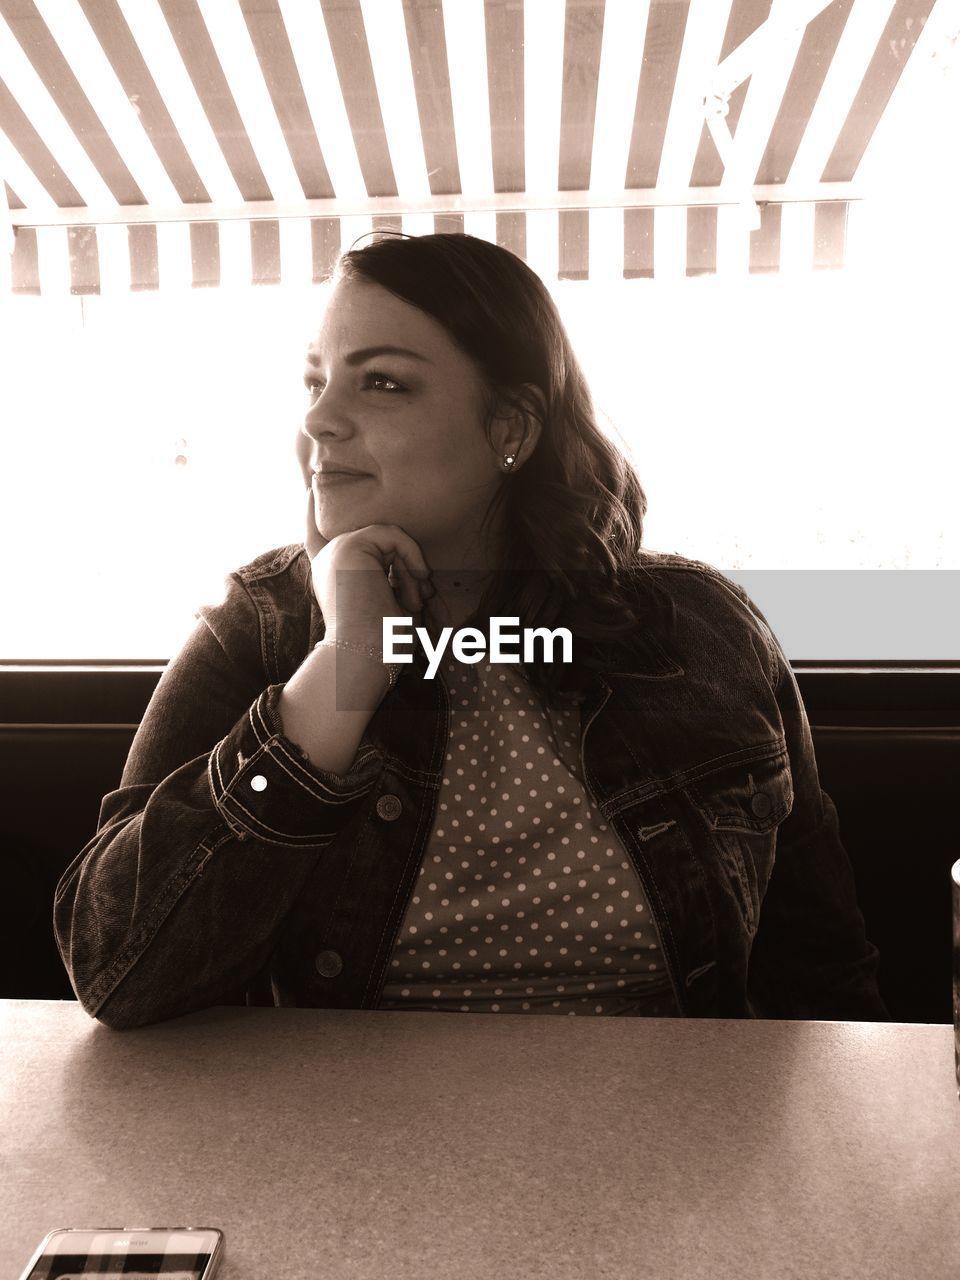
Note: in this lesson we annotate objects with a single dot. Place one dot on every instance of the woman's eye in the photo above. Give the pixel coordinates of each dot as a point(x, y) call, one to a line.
point(372, 379)
point(373, 376)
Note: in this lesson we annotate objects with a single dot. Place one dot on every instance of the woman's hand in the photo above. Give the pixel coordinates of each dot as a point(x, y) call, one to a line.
point(387, 576)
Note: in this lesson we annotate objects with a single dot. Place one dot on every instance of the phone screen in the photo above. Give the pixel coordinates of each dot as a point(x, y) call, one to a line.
point(142, 1266)
point(134, 1255)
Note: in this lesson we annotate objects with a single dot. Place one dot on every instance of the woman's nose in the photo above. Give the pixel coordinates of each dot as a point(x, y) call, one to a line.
point(325, 417)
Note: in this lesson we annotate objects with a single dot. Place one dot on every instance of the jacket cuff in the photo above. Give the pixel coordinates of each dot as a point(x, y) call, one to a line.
point(265, 787)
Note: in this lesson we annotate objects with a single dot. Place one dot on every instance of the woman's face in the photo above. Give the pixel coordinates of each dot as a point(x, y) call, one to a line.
point(392, 397)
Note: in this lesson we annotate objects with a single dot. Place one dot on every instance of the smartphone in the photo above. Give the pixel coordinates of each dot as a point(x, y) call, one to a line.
point(136, 1253)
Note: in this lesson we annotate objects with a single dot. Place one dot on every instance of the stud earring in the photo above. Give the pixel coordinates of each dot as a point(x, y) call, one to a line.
point(508, 460)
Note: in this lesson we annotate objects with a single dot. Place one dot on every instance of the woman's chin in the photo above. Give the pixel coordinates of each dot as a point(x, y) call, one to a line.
point(332, 516)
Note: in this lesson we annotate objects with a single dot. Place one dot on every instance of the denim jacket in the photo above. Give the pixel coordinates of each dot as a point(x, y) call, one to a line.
point(200, 888)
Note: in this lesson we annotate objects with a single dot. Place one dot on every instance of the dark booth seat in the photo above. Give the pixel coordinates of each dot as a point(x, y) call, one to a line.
point(52, 779)
point(891, 785)
point(893, 789)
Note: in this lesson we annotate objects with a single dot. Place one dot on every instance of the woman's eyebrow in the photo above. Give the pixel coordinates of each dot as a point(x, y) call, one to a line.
point(357, 357)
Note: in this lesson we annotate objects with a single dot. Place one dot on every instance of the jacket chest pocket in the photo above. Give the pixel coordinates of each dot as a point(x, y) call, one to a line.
point(741, 805)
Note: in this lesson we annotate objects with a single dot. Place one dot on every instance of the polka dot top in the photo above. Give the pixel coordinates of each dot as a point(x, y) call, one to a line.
point(526, 901)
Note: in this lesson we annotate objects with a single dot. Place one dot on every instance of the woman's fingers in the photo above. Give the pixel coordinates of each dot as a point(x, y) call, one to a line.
point(406, 588)
point(385, 585)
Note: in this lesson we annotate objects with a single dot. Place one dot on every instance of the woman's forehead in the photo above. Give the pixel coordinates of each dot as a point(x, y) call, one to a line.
point(365, 315)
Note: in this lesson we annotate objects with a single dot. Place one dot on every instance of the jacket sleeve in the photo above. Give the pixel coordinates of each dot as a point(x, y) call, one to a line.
point(179, 899)
point(810, 957)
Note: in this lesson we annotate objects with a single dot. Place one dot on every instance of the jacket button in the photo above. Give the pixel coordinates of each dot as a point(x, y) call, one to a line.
point(328, 964)
point(258, 782)
point(389, 807)
point(761, 804)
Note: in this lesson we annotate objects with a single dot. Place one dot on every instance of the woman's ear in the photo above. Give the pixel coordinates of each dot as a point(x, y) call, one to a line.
point(517, 426)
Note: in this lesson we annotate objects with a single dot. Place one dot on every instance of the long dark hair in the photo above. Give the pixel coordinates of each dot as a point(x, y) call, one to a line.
point(573, 512)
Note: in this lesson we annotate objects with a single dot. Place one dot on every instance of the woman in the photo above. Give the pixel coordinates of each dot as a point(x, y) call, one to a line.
point(638, 829)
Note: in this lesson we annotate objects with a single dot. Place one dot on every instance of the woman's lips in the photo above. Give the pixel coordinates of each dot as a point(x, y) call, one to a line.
point(325, 479)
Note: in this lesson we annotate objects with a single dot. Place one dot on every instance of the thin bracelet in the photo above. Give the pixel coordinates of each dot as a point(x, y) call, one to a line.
point(367, 650)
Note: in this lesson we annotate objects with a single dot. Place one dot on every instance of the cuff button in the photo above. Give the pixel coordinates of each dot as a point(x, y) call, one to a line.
point(258, 782)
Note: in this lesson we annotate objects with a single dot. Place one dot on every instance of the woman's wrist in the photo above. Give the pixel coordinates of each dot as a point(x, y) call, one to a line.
point(363, 648)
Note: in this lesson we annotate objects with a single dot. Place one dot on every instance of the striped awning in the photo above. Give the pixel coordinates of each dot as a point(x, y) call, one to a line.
point(148, 144)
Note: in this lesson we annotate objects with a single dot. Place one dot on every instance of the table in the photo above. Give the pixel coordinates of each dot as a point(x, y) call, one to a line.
point(355, 1144)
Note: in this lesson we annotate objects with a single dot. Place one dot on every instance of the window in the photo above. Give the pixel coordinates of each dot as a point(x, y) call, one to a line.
point(793, 426)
